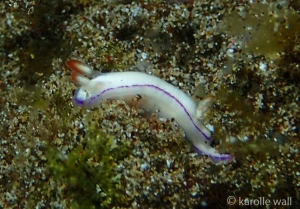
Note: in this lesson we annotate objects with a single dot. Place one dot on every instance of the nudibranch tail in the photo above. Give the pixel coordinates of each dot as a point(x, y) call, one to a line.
point(222, 158)
point(213, 154)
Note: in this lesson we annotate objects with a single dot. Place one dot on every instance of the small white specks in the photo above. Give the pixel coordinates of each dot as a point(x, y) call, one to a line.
point(230, 52)
point(164, 120)
point(258, 102)
point(249, 28)
point(170, 180)
point(263, 66)
point(204, 204)
point(210, 45)
point(60, 135)
point(135, 11)
point(169, 163)
point(27, 152)
point(231, 139)
point(8, 22)
point(10, 197)
point(144, 166)
point(194, 194)
point(98, 189)
point(120, 167)
point(144, 55)
point(244, 138)
point(202, 80)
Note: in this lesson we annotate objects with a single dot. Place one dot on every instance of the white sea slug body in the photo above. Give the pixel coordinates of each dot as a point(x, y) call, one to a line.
point(156, 94)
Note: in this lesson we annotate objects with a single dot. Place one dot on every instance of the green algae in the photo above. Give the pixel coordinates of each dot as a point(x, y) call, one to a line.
point(248, 124)
point(90, 172)
point(265, 29)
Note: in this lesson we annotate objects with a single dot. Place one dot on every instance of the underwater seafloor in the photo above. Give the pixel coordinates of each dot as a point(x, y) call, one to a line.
point(244, 54)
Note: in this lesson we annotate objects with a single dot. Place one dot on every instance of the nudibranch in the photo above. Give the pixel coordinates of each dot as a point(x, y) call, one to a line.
point(156, 94)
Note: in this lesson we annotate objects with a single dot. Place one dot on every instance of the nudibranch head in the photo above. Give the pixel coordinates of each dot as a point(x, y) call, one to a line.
point(80, 75)
point(80, 97)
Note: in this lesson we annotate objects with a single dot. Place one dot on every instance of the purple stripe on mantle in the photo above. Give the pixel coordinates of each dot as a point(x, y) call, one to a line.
point(94, 98)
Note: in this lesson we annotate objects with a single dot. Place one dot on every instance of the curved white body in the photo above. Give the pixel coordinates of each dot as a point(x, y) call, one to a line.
point(156, 94)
